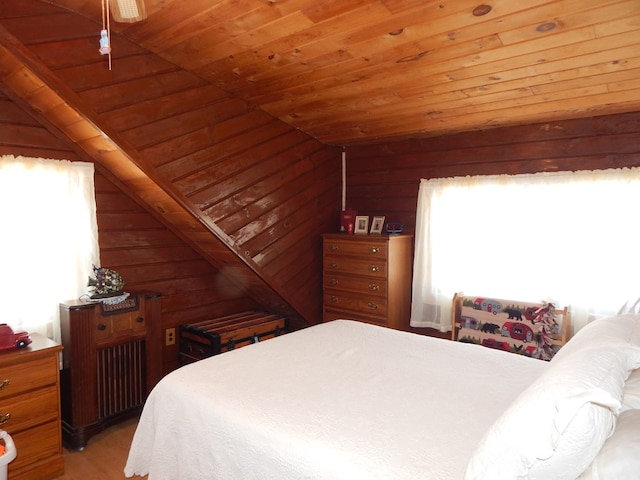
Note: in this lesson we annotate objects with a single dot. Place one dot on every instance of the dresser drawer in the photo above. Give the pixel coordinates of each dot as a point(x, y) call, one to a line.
point(30, 409)
point(367, 248)
point(365, 285)
point(371, 268)
point(35, 445)
point(22, 377)
point(367, 305)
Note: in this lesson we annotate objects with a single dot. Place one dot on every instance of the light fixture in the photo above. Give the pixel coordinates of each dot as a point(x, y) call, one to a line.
point(128, 11)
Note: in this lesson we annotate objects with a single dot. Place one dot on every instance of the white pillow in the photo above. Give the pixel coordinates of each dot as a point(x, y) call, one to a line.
point(619, 331)
point(619, 456)
point(555, 428)
point(631, 397)
point(630, 307)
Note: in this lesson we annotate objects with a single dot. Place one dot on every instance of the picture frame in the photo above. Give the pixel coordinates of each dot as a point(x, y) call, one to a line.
point(377, 224)
point(362, 225)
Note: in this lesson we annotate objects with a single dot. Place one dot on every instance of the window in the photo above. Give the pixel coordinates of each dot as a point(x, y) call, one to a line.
point(49, 239)
point(564, 237)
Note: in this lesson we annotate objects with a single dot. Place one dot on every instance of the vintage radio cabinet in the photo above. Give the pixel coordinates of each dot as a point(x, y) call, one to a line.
point(112, 358)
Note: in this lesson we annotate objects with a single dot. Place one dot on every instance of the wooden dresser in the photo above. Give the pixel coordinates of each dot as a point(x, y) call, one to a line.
point(30, 408)
point(368, 278)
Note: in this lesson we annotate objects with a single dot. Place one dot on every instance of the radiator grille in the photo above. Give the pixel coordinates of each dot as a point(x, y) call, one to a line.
point(121, 378)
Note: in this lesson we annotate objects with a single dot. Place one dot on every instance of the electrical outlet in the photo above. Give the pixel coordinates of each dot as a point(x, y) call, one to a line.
point(169, 336)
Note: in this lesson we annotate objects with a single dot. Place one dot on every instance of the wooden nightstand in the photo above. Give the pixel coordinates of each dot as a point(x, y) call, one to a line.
point(30, 408)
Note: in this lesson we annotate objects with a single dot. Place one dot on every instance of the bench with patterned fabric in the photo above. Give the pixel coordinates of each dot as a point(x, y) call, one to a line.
point(534, 329)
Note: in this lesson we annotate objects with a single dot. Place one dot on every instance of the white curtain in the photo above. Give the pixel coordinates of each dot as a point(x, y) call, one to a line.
point(49, 239)
point(568, 237)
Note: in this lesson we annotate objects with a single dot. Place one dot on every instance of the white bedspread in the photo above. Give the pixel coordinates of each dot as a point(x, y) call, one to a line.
point(340, 400)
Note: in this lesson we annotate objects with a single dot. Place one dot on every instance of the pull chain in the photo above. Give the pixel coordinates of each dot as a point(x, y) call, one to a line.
point(105, 34)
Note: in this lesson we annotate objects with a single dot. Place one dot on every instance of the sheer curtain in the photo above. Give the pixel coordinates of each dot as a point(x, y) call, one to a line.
point(49, 239)
point(568, 237)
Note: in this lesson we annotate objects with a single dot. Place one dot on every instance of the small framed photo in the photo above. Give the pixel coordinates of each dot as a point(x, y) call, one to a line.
point(362, 225)
point(376, 225)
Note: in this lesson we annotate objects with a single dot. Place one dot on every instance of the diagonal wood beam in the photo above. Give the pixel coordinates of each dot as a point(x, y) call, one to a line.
point(32, 85)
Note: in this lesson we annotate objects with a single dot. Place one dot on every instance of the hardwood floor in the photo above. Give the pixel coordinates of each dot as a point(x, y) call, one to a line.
point(104, 456)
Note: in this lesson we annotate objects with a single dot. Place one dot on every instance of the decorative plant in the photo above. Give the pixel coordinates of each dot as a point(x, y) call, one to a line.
point(106, 283)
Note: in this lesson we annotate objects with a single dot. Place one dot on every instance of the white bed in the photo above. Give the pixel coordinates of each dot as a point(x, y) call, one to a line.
point(347, 400)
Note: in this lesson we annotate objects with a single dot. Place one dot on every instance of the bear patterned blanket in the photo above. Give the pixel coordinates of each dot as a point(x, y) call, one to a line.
point(536, 330)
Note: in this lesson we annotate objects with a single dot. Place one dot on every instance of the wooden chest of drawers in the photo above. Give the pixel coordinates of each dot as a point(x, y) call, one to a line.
point(367, 278)
point(30, 409)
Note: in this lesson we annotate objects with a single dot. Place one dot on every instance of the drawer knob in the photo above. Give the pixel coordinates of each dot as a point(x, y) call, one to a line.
point(102, 327)
point(334, 247)
point(373, 268)
point(4, 418)
point(4, 383)
point(333, 281)
point(374, 249)
point(333, 265)
point(140, 319)
point(374, 287)
point(372, 306)
point(333, 298)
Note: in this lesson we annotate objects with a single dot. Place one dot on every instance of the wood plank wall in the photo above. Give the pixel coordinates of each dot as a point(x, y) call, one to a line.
point(151, 257)
point(383, 179)
point(132, 241)
point(270, 187)
point(21, 134)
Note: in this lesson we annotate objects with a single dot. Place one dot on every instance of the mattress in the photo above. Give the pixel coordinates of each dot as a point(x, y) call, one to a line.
point(339, 400)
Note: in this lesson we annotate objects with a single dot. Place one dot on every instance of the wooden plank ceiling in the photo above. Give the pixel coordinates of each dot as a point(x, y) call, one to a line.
point(186, 120)
point(354, 71)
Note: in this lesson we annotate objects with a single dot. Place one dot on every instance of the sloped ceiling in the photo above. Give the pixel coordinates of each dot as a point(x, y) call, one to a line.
point(233, 170)
point(348, 71)
point(342, 72)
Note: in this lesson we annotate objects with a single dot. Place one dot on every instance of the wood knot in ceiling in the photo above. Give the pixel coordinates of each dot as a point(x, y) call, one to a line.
point(546, 27)
point(413, 58)
point(481, 10)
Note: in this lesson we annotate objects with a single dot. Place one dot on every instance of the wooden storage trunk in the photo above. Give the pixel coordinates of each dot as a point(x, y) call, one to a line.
point(218, 335)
